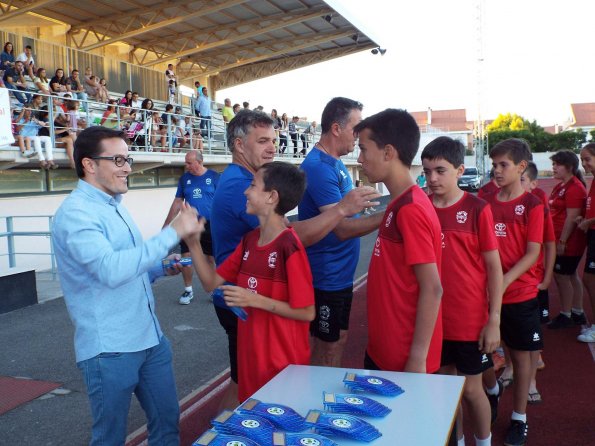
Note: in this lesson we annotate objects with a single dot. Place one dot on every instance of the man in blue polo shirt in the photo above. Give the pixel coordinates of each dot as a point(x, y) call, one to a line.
point(334, 258)
point(251, 140)
point(197, 188)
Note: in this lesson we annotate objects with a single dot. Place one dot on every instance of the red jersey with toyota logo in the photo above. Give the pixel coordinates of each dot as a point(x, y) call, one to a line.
point(467, 232)
point(571, 194)
point(517, 222)
point(409, 235)
point(267, 343)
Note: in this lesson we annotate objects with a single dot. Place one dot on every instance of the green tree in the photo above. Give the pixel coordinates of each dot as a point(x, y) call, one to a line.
point(592, 133)
point(569, 140)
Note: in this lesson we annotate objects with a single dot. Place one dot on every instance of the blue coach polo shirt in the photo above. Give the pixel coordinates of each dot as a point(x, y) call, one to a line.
point(106, 270)
point(332, 261)
point(229, 220)
point(198, 191)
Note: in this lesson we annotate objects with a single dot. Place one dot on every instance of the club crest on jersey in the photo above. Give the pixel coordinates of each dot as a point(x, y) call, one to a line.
point(442, 238)
point(252, 283)
point(208, 181)
point(325, 312)
point(273, 259)
point(188, 182)
point(389, 218)
point(377, 247)
point(246, 254)
point(500, 229)
point(197, 193)
point(561, 193)
point(461, 217)
point(519, 209)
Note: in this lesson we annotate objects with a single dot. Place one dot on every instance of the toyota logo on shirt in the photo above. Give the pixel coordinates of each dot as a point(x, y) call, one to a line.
point(500, 229)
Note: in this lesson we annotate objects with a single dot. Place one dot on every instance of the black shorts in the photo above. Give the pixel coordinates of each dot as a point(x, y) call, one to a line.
point(466, 356)
point(566, 265)
point(543, 299)
point(590, 262)
point(520, 328)
point(229, 322)
point(332, 313)
point(206, 242)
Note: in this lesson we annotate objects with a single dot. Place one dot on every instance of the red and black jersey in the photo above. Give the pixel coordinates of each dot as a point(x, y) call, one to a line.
point(516, 223)
point(467, 232)
point(267, 343)
point(590, 207)
point(569, 195)
point(409, 235)
point(487, 189)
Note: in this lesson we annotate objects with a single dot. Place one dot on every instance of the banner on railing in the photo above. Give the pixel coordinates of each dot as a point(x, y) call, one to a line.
point(6, 137)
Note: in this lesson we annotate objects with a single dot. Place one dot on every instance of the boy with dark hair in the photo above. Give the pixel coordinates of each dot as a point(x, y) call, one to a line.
point(518, 218)
point(404, 320)
point(472, 285)
point(274, 282)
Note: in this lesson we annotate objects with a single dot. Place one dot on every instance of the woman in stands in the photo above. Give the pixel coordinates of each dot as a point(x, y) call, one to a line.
point(110, 116)
point(91, 84)
point(58, 82)
point(41, 81)
point(7, 56)
point(103, 93)
point(62, 130)
point(127, 99)
point(283, 133)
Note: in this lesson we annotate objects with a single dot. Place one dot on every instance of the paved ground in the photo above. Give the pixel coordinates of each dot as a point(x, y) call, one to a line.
point(37, 343)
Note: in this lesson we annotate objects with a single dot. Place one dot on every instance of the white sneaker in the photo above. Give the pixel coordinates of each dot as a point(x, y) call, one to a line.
point(587, 336)
point(186, 297)
point(587, 329)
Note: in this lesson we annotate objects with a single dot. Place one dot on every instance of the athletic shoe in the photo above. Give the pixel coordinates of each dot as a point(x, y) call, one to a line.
point(186, 297)
point(494, 400)
point(517, 434)
point(587, 336)
point(578, 319)
point(560, 321)
point(587, 329)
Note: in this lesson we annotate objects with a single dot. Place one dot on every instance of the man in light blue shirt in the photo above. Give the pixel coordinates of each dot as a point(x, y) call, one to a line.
point(203, 109)
point(106, 270)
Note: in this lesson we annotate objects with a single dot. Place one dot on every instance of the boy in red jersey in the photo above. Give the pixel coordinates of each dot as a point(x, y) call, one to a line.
point(404, 290)
point(488, 188)
point(518, 218)
point(274, 282)
point(472, 285)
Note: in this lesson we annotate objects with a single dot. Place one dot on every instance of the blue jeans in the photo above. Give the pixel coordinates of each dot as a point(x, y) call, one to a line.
point(205, 127)
point(22, 98)
point(111, 378)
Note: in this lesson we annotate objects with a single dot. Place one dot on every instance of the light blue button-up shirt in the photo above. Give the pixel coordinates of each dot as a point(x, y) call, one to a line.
point(106, 270)
point(203, 106)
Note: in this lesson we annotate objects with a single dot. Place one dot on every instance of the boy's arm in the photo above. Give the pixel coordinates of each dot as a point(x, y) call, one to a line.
point(428, 305)
point(549, 259)
point(355, 227)
point(236, 296)
point(204, 269)
point(489, 338)
point(524, 263)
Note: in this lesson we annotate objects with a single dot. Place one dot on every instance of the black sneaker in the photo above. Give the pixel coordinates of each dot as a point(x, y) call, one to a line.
point(494, 400)
point(517, 434)
point(578, 319)
point(560, 321)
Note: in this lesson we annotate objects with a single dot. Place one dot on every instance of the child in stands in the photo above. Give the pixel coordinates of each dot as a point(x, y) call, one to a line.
point(404, 320)
point(274, 282)
point(472, 285)
point(518, 218)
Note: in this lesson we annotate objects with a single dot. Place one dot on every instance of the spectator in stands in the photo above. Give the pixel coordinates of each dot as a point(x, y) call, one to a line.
point(91, 84)
point(76, 87)
point(203, 109)
point(136, 102)
point(27, 58)
point(29, 134)
point(170, 75)
point(283, 133)
point(2, 83)
point(158, 130)
point(76, 122)
point(42, 82)
point(103, 92)
point(293, 133)
point(110, 116)
point(246, 105)
point(14, 79)
point(127, 99)
point(276, 125)
point(236, 108)
point(7, 57)
point(61, 123)
point(44, 138)
point(25, 132)
point(308, 133)
point(171, 90)
point(228, 112)
point(58, 82)
point(194, 136)
point(198, 89)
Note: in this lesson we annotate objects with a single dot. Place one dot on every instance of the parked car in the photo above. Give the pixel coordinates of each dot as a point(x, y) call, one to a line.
point(470, 180)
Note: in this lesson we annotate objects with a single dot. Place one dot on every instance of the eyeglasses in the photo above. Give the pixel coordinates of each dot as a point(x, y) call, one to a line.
point(118, 160)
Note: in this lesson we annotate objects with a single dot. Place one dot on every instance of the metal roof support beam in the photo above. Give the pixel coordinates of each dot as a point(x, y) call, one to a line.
point(159, 25)
point(30, 7)
point(239, 36)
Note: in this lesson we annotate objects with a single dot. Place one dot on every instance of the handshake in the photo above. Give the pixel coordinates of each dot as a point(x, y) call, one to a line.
point(188, 223)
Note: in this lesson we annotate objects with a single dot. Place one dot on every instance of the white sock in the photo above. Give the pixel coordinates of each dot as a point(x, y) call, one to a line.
point(565, 313)
point(519, 417)
point(485, 442)
point(461, 441)
point(578, 311)
point(493, 391)
point(188, 288)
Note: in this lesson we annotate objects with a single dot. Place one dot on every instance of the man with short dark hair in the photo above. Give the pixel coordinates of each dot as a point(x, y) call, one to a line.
point(106, 270)
point(14, 79)
point(196, 188)
point(334, 258)
point(74, 86)
point(27, 58)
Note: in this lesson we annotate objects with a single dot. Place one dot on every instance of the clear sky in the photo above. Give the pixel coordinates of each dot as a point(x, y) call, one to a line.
point(538, 57)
